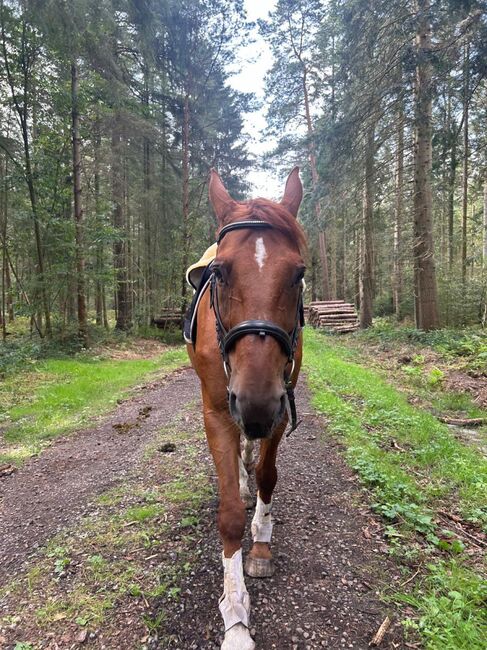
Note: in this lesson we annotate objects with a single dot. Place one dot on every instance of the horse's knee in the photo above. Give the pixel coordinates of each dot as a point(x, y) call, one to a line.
point(231, 524)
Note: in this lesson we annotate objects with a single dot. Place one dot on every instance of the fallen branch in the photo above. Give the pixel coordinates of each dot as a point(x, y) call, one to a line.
point(411, 578)
point(7, 470)
point(464, 422)
point(446, 516)
point(379, 635)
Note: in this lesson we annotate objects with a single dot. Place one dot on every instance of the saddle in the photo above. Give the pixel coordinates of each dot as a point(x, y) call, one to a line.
point(198, 277)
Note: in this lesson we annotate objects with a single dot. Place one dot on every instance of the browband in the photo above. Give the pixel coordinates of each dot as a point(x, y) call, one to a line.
point(240, 225)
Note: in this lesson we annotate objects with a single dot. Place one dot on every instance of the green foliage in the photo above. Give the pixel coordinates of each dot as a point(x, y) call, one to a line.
point(451, 605)
point(451, 343)
point(424, 470)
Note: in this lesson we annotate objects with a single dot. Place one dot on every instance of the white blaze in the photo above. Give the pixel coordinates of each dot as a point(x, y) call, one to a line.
point(260, 253)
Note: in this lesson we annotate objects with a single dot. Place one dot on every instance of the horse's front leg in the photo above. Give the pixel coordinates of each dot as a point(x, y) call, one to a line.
point(259, 562)
point(224, 441)
point(245, 462)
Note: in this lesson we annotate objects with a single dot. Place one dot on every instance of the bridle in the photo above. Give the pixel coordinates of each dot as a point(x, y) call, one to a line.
point(287, 340)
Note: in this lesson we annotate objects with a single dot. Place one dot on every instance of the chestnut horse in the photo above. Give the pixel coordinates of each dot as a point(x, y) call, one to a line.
point(248, 355)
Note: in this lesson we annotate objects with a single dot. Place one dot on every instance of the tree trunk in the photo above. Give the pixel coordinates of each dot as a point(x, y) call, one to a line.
point(3, 226)
point(78, 209)
point(333, 256)
point(398, 215)
point(146, 203)
point(427, 316)
point(484, 256)
point(451, 204)
point(315, 181)
point(120, 261)
point(366, 281)
point(21, 103)
point(185, 179)
point(99, 266)
point(466, 90)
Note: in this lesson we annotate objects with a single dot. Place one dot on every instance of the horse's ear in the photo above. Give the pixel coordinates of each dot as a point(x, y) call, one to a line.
point(220, 199)
point(293, 192)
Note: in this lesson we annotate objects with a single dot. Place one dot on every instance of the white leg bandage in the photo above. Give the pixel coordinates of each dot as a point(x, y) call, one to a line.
point(238, 638)
point(262, 521)
point(235, 602)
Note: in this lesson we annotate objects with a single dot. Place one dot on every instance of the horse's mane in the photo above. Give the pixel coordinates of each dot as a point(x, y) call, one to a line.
point(273, 213)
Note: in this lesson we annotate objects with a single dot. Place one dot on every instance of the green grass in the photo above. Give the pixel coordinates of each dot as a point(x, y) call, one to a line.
point(63, 394)
point(451, 602)
point(413, 466)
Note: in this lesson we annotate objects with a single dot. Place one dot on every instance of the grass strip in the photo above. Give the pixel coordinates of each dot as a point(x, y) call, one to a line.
point(63, 394)
point(412, 465)
point(374, 414)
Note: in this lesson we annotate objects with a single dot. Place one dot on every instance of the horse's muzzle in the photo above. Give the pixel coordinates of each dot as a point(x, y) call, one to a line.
point(257, 416)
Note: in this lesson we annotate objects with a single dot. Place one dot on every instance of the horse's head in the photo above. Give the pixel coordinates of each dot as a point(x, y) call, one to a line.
point(257, 277)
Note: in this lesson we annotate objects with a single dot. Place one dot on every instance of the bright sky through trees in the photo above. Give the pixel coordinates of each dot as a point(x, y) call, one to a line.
point(253, 63)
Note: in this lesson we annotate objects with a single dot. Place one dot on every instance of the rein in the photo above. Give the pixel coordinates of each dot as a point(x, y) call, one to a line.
point(287, 340)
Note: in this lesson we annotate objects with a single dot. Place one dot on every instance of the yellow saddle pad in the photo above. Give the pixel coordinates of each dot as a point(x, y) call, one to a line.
point(195, 271)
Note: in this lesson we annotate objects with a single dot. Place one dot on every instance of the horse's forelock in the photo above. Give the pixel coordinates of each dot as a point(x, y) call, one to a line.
point(270, 212)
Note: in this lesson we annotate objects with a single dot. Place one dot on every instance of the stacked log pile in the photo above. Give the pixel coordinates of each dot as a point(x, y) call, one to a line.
point(336, 315)
point(168, 318)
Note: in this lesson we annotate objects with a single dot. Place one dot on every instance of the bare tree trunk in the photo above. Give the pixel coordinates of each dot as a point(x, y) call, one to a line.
point(185, 179)
point(315, 181)
point(147, 169)
point(427, 316)
point(451, 204)
point(333, 255)
point(78, 209)
point(466, 90)
point(366, 285)
point(356, 271)
point(484, 256)
point(398, 214)
point(21, 104)
point(99, 247)
point(3, 226)
point(120, 261)
point(325, 275)
point(344, 258)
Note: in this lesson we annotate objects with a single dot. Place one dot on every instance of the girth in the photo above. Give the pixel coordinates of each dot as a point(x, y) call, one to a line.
point(287, 340)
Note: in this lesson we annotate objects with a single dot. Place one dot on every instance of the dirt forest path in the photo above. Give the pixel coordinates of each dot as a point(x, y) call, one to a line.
point(331, 561)
point(49, 492)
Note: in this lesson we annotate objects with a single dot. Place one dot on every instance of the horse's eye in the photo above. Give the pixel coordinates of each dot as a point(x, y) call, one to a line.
point(217, 272)
point(298, 276)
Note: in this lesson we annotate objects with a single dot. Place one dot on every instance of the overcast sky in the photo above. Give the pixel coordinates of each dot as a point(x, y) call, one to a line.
point(253, 63)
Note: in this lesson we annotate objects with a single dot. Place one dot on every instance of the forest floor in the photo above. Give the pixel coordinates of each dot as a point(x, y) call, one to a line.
point(109, 537)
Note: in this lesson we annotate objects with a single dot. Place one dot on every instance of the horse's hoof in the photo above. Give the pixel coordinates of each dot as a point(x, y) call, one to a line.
point(259, 567)
point(249, 501)
point(238, 638)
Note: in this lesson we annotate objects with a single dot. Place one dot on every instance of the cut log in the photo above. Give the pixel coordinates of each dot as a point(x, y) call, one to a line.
point(333, 315)
point(464, 422)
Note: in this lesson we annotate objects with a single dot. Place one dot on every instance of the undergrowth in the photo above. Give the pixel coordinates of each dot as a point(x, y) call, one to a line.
point(61, 394)
point(414, 469)
point(469, 344)
point(22, 348)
